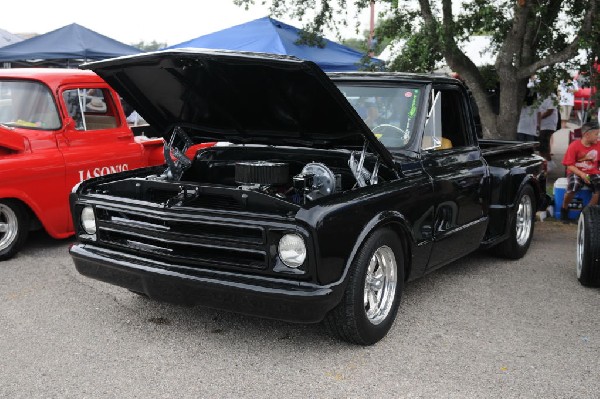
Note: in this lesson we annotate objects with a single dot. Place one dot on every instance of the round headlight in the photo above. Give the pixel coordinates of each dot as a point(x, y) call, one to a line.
point(292, 250)
point(88, 220)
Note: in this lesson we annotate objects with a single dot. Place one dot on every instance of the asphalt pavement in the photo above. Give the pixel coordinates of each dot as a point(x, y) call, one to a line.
point(481, 327)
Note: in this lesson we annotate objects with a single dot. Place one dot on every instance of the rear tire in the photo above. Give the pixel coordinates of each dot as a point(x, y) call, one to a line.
point(14, 227)
point(588, 247)
point(521, 228)
point(370, 303)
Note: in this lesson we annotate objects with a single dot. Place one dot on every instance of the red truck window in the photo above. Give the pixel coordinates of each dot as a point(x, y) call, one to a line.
point(27, 104)
point(90, 108)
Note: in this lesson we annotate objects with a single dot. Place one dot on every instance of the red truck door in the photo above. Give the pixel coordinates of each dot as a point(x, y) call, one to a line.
point(34, 173)
point(97, 140)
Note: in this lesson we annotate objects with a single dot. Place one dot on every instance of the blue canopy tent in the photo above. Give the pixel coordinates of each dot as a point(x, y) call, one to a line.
point(67, 43)
point(268, 35)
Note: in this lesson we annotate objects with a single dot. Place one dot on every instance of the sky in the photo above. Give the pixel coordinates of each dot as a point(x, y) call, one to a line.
point(132, 21)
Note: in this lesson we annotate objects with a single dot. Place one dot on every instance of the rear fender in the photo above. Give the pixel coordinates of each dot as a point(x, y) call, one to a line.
point(502, 216)
point(537, 189)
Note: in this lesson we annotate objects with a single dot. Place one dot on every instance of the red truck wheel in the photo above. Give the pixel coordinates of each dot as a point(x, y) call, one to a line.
point(588, 247)
point(14, 227)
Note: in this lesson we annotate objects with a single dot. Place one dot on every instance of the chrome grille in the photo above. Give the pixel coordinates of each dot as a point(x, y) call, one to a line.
point(189, 241)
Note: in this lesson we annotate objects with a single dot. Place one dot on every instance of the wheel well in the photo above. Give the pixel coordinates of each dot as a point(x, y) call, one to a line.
point(536, 193)
point(34, 222)
point(403, 237)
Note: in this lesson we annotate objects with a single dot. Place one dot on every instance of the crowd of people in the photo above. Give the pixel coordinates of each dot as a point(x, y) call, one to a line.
point(581, 161)
point(540, 118)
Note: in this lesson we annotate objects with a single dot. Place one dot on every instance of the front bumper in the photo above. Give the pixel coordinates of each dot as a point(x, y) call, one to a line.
point(249, 294)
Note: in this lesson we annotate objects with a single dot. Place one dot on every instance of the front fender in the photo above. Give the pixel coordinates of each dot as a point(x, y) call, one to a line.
point(153, 150)
point(51, 228)
point(413, 255)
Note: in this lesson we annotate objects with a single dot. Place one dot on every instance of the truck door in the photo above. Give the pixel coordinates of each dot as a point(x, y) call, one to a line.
point(97, 141)
point(37, 174)
point(452, 158)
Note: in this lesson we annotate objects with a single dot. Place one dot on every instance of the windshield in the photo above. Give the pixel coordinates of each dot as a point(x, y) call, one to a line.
point(389, 111)
point(27, 105)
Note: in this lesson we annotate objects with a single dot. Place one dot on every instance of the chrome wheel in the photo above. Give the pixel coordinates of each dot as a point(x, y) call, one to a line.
point(380, 284)
point(9, 226)
point(524, 220)
point(580, 244)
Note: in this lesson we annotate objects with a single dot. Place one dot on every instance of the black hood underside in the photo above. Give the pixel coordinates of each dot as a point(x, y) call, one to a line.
point(238, 97)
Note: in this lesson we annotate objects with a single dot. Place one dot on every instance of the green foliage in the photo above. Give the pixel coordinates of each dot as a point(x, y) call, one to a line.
point(366, 63)
point(151, 46)
point(362, 45)
point(490, 77)
point(420, 53)
point(421, 48)
point(547, 80)
point(541, 43)
point(482, 17)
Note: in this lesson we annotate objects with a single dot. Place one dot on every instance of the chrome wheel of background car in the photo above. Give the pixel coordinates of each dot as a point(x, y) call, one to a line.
point(380, 284)
point(524, 220)
point(580, 244)
point(14, 227)
point(9, 226)
point(588, 247)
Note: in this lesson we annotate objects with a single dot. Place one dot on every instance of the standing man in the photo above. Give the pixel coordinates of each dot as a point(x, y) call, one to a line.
point(566, 91)
point(548, 115)
point(581, 160)
point(527, 129)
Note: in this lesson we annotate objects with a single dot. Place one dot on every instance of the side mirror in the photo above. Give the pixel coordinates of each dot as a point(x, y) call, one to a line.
point(69, 123)
point(432, 132)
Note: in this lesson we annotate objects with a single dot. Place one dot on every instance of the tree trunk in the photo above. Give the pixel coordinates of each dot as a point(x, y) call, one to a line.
point(514, 64)
point(511, 99)
point(504, 125)
point(486, 113)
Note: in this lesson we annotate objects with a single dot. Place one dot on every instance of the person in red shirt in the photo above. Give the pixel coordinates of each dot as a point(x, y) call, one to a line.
point(581, 160)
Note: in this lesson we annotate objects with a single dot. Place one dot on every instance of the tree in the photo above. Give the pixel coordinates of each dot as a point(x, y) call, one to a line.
point(362, 44)
point(151, 46)
point(528, 37)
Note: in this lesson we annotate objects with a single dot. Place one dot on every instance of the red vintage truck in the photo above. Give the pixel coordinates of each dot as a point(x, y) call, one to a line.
point(58, 127)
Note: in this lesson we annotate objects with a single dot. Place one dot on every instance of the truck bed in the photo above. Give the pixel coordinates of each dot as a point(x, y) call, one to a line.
point(493, 147)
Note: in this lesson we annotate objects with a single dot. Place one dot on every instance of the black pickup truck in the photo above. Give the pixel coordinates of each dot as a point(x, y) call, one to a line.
point(331, 193)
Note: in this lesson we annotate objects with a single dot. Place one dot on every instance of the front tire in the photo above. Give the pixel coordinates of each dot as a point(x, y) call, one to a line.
point(521, 228)
point(588, 247)
point(14, 227)
point(370, 303)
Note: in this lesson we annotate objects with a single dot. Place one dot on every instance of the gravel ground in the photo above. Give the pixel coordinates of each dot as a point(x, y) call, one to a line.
point(480, 327)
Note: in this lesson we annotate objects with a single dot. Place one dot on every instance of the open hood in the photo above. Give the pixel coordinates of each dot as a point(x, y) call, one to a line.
point(238, 97)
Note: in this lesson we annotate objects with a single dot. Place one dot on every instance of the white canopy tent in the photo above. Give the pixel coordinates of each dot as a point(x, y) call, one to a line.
point(7, 38)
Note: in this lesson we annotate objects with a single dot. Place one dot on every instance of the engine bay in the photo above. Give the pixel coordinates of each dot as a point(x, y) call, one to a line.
point(296, 175)
point(253, 176)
